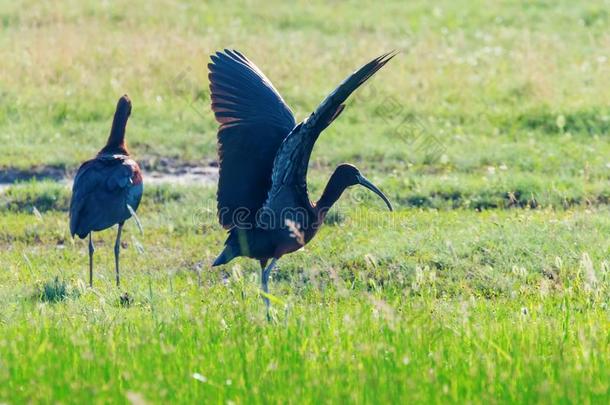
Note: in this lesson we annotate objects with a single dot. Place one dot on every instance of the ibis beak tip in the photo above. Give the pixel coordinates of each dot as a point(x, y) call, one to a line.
point(363, 181)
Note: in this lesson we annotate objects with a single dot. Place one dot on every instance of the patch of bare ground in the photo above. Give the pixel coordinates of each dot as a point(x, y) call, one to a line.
point(156, 171)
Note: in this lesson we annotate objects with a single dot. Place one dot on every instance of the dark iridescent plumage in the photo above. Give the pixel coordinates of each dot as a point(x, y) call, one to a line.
point(106, 186)
point(254, 120)
point(262, 190)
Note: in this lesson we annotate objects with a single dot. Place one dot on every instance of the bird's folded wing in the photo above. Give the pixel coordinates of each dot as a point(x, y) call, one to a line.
point(108, 174)
point(254, 120)
point(292, 159)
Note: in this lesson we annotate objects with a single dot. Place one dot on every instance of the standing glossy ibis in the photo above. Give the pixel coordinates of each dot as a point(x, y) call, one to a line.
point(262, 189)
point(107, 189)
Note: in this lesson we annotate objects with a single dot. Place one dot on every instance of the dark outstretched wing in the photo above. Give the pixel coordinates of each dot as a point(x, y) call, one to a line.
point(290, 165)
point(101, 191)
point(254, 120)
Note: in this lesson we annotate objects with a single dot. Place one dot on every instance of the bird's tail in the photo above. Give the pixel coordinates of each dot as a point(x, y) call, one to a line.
point(225, 257)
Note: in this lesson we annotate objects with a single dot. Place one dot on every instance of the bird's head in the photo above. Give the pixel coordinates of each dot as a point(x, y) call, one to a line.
point(123, 107)
point(116, 141)
point(347, 175)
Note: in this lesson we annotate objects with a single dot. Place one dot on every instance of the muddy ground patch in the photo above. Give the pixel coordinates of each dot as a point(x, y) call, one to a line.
point(156, 171)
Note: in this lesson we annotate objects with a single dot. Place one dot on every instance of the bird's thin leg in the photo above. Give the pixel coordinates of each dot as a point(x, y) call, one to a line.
point(91, 250)
point(266, 271)
point(117, 251)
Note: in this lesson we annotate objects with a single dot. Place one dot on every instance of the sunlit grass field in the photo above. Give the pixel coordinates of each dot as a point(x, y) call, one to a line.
point(489, 132)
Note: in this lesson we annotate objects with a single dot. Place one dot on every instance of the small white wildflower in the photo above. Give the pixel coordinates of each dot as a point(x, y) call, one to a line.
point(37, 213)
point(200, 377)
point(135, 398)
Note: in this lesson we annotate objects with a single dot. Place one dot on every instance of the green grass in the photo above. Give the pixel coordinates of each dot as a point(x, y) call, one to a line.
point(458, 305)
point(489, 284)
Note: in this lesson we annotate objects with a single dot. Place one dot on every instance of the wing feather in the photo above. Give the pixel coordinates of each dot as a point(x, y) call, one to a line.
point(99, 187)
point(254, 120)
point(292, 159)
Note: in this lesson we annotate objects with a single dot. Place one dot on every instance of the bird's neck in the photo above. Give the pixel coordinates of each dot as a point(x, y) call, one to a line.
point(116, 141)
point(331, 194)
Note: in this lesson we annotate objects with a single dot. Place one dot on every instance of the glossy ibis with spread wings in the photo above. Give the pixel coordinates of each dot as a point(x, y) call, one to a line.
point(263, 153)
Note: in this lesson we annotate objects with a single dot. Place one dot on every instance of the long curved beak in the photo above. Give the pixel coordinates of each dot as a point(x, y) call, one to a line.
point(363, 181)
